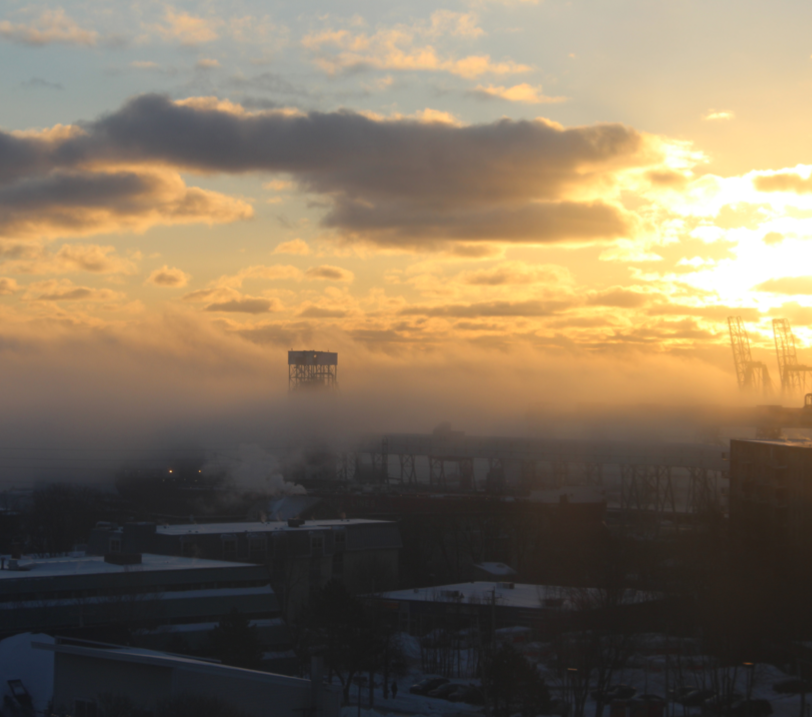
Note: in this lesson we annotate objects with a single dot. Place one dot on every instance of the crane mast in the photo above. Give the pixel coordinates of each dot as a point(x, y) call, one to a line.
point(793, 375)
point(750, 375)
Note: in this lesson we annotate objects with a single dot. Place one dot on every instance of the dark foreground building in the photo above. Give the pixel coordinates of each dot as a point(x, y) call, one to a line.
point(154, 596)
point(771, 498)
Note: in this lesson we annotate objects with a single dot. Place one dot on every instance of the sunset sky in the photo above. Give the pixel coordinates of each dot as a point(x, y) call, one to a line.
point(541, 198)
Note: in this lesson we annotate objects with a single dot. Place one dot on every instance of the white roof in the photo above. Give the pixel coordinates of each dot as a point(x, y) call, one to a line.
point(518, 596)
point(256, 527)
point(164, 659)
point(89, 565)
point(498, 569)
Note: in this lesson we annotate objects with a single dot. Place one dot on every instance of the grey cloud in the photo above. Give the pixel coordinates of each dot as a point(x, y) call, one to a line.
point(39, 83)
point(716, 312)
point(244, 306)
point(283, 335)
point(316, 312)
point(63, 202)
point(390, 182)
point(619, 298)
point(268, 82)
point(531, 308)
point(329, 273)
point(395, 223)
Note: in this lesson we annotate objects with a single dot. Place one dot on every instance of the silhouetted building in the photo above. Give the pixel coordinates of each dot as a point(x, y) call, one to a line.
point(157, 595)
point(483, 607)
point(771, 496)
point(300, 556)
point(89, 676)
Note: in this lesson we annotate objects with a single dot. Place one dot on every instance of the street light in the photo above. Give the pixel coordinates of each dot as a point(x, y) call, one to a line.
point(572, 676)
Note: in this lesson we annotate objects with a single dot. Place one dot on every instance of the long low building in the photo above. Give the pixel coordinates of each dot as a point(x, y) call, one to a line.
point(300, 556)
point(136, 591)
point(488, 606)
point(89, 676)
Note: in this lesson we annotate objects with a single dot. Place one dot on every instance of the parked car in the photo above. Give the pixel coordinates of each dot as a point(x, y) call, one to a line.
point(792, 686)
point(679, 693)
point(426, 685)
point(751, 708)
point(443, 691)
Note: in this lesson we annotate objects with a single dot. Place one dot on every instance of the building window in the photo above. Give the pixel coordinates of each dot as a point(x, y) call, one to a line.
point(317, 545)
point(188, 549)
point(115, 545)
point(229, 547)
point(257, 548)
point(84, 708)
point(340, 540)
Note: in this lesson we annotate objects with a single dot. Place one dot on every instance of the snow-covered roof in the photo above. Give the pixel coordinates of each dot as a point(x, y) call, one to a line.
point(257, 526)
point(497, 569)
point(517, 595)
point(143, 656)
point(88, 565)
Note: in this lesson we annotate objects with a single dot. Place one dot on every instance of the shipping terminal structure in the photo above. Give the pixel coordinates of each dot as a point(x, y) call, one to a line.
point(312, 370)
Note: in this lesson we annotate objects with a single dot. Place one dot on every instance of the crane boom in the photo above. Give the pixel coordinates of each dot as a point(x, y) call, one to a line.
point(750, 375)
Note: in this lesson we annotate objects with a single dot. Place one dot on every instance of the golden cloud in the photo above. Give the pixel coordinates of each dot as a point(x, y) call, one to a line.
point(524, 92)
point(169, 277)
point(295, 246)
point(186, 28)
point(52, 26)
point(403, 47)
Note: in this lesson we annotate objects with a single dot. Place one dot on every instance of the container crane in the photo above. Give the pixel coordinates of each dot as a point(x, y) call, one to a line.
point(793, 375)
point(751, 375)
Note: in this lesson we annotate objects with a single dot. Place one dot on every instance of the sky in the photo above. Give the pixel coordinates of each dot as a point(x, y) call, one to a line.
point(482, 205)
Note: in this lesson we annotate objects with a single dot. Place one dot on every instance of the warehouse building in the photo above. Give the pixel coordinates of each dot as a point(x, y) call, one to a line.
point(301, 556)
point(771, 496)
point(91, 676)
point(156, 595)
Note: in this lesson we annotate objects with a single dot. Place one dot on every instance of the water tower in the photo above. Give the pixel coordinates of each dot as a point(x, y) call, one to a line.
point(312, 369)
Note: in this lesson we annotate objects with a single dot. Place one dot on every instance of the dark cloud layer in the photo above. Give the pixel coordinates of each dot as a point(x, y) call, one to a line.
point(387, 181)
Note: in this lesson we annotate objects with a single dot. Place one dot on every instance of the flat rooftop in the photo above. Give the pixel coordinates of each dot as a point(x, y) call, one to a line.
point(94, 564)
point(258, 526)
point(786, 442)
point(519, 596)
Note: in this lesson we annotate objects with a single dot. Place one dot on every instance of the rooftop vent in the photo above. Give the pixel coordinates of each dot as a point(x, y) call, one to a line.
point(123, 558)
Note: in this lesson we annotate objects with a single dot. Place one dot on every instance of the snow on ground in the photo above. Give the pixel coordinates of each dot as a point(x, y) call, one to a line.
point(406, 703)
point(20, 661)
point(648, 675)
